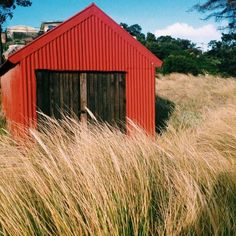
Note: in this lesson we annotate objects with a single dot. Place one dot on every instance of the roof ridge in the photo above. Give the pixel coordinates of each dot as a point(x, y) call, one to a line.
point(92, 9)
point(135, 41)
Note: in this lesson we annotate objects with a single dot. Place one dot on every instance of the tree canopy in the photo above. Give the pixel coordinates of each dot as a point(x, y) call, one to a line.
point(220, 10)
point(135, 30)
point(6, 11)
point(7, 7)
point(184, 56)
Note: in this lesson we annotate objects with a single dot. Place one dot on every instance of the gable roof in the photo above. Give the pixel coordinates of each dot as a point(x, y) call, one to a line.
point(71, 22)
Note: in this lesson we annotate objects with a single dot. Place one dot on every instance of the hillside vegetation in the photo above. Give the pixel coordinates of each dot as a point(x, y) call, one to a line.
point(94, 180)
point(184, 56)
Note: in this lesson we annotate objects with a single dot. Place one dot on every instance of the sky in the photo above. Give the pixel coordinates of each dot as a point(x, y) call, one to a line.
point(161, 17)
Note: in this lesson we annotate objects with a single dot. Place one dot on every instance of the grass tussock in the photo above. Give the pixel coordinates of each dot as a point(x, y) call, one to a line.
point(97, 181)
point(72, 179)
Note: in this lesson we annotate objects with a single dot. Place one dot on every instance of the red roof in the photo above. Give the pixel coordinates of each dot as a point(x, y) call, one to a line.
point(71, 22)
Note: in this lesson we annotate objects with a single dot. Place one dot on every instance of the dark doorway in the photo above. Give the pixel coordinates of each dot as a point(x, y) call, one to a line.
point(70, 93)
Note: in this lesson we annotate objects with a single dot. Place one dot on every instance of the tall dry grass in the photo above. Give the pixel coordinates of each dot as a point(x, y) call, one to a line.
point(195, 97)
point(94, 180)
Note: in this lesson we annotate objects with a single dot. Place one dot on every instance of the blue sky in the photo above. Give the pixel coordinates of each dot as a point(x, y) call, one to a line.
point(161, 17)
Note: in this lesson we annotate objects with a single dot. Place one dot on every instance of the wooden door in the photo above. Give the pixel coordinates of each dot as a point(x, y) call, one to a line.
point(58, 93)
point(106, 97)
point(71, 93)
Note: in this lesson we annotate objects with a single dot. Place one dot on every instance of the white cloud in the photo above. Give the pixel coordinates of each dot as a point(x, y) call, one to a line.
point(201, 35)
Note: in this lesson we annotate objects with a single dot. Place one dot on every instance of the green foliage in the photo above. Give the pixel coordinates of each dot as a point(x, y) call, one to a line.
point(224, 52)
point(179, 55)
point(166, 46)
point(7, 7)
point(135, 30)
point(181, 64)
point(183, 56)
point(208, 64)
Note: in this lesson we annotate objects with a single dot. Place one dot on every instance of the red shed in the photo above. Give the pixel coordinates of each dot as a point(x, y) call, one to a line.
point(87, 61)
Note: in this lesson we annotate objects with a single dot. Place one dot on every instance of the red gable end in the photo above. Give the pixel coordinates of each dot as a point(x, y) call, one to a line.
point(70, 23)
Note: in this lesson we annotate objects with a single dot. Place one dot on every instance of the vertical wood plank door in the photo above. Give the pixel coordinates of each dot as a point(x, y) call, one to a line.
point(58, 93)
point(70, 93)
point(106, 97)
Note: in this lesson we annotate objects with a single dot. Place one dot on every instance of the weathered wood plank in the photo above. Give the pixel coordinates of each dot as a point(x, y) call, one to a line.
point(60, 93)
point(70, 93)
point(116, 103)
point(56, 94)
point(122, 101)
point(51, 92)
point(75, 94)
point(90, 94)
point(66, 94)
point(99, 96)
point(83, 97)
point(112, 99)
point(108, 98)
point(102, 97)
point(95, 96)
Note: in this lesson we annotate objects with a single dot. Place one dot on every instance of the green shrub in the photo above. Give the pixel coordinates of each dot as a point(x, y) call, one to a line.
point(181, 64)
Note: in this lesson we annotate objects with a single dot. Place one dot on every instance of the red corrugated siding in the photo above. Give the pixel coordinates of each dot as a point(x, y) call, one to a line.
point(94, 44)
point(12, 98)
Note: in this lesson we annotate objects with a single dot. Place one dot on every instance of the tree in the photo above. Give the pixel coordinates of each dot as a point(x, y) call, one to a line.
point(220, 10)
point(182, 64)
point(150, 37)
point(224, 52)
point(6, 11)
point(183, 56)
point(164, 46)
point(135, 30)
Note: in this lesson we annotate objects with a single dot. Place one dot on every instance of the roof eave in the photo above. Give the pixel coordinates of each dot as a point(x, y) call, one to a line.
point(28, 49)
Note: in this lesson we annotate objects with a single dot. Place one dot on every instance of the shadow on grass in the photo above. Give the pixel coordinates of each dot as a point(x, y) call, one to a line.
point(164, 109)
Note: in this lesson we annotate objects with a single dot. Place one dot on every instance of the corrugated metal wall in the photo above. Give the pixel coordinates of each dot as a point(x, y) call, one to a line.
point(93, 45)
point(12, 98)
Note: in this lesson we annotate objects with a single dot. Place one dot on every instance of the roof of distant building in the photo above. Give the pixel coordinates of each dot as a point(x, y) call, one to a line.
point(48, 23)
point(22, 28)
